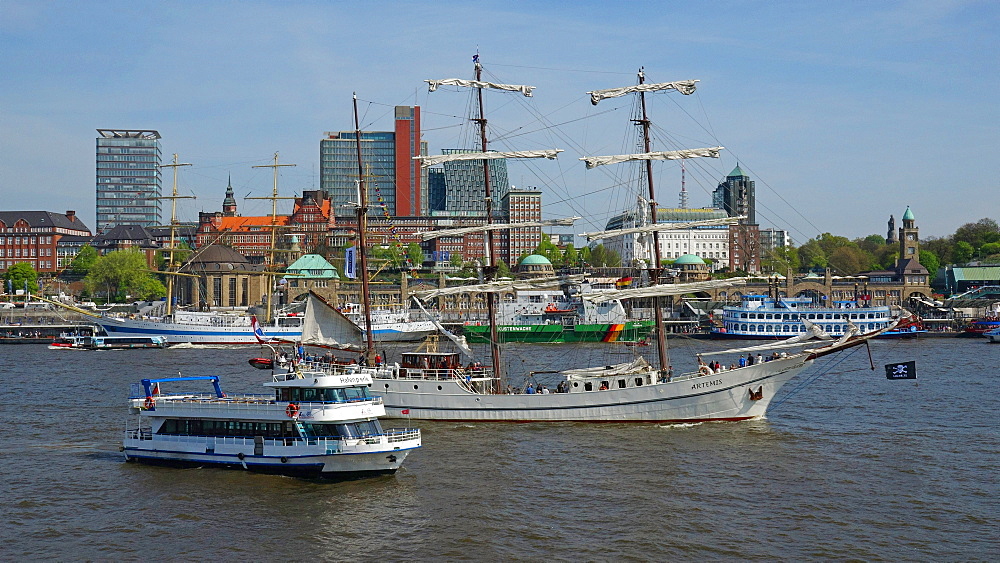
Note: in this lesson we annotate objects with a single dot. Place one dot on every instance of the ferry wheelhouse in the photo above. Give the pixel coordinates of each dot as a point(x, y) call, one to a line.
point(765, 317)
point(312, 425)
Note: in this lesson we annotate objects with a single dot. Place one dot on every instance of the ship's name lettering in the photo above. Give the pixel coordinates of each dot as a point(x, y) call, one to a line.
point(515, 328)
point(704, 384)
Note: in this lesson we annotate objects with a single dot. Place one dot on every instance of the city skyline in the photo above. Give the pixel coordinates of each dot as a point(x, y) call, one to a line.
point(842, 115)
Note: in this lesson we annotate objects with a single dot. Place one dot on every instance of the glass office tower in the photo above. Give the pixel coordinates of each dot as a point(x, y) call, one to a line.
point(128, 178)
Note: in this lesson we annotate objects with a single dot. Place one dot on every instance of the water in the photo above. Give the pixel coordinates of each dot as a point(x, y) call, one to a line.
point(848, 466)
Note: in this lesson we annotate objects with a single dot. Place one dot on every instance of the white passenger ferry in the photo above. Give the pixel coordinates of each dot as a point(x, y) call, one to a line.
point(313, 425)
point(764, 317)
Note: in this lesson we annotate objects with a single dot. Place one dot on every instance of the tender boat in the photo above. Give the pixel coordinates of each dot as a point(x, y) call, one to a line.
point(108, 342)
point(312, 425)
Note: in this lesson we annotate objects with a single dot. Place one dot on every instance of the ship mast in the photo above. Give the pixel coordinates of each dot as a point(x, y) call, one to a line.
point(362, 212)
point(173, 231)
point(269, 259)
point(661, 347)
point(490, 269)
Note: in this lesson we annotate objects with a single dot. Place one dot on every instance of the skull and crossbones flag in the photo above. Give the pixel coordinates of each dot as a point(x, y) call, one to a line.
point(901, 370)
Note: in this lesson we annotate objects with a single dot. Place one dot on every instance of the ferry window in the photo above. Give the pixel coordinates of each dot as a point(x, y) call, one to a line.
point(743, 327)
point(829, 315)
point(743, 315)
point(355, 393)
point(768, 316)
point(284, 395)
point(812, 315)
point(588, 386)
point(312, 395)
point(621, 384)
point(638, 381)
point(337, 395)
point(769, 328)
point(784, 328)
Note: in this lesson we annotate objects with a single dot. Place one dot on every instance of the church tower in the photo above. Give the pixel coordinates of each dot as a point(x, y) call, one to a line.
point(909, 239)
point(229, 204)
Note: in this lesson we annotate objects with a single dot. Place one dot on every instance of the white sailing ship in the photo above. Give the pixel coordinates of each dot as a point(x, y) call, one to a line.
point(449, 386)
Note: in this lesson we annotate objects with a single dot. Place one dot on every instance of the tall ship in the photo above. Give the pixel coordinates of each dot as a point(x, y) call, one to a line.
point(205, 327)
point(216, 326)
point(310, 425)
point(762, 317)
point(557, 315)
point(451, 386)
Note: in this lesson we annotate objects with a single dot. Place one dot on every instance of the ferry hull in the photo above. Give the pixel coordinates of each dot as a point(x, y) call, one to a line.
point(297, 462)
point(724, 396)
point(177, 333)
point(631, 331)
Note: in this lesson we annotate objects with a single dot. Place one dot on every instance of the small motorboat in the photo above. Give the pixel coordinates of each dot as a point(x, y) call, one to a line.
point(262, 363)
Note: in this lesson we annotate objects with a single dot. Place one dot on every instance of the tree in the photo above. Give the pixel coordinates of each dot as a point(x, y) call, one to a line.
point(871, 243)
point(941, 247)
point(811, 255)
point(503, 270)
point(850, 260)
point(570, 256)
point(84, 260)
point(601, 256)
point(989, 251)
point(930, 261)
point(415, 254)
point(551, 252)
point(124, 273)
point(963, 252)
point(21, 276)
point(978, 233)
point(780, 260)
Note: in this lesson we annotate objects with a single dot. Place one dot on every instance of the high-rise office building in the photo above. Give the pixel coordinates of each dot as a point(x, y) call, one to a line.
point(465, 192)
point(393, 178)
point(128, 178)
point(736, 194)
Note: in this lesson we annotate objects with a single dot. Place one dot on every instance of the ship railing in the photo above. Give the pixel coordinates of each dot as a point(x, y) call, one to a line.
point(447, 373)
point(250, 403)
point(334, 443)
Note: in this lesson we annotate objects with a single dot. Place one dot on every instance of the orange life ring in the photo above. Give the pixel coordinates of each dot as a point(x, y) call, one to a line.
point(704, 370)
point(150, 402)
point(292, 410)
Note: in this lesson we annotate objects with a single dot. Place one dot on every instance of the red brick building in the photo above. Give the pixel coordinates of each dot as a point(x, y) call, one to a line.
point(33, 237)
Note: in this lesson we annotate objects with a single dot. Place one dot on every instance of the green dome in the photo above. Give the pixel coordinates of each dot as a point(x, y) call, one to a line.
point(908, 216)
point(688, 259)
point(535, 260)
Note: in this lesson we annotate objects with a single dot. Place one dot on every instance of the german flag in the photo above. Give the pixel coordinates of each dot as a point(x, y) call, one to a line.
point(623, 282)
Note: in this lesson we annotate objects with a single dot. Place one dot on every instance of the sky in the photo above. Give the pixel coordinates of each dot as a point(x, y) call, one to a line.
point(842, 112)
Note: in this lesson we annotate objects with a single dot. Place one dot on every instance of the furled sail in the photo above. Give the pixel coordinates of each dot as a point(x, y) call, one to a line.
point(431, 160)
point(427, 235)
point(685, 87)
point(595, 161)
point(494, 287)
point(325, 326)
point(459, 341)
point(663, 227)
point(662, 290)
point(637, 365)
point(434, 84)
point(812, 331)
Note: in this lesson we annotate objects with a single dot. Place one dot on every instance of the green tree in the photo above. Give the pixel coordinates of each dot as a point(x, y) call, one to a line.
point(850, 260)
point(84, 260)
point(812, 255)
point(989, 250)
point(124, 273)
point(570, 256)
point(963, 252)
point(21, 276)
point(415, 254)
point(503, 270)
point(551, 252)
point(942, 247)
point(930, 261)
point(871, 243)
point(780, 260)
point(978, 233)
point(601, 256)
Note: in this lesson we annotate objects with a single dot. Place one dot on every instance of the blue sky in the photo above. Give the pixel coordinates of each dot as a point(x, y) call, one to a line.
point(842, 112)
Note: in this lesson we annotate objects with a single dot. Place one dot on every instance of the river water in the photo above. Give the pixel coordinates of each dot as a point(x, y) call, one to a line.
point(848, 465)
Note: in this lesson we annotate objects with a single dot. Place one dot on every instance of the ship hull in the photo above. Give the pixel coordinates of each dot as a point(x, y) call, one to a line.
point(177, 333)
point(631, 331)
point(726, 396)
